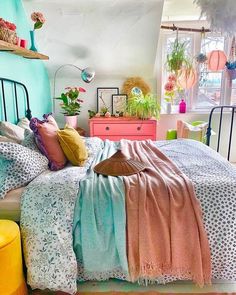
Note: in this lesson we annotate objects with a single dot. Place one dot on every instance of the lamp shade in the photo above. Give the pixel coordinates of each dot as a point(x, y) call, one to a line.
point(216, 60)
point(87, 75)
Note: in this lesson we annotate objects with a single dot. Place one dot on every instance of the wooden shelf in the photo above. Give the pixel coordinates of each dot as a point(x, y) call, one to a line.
point(26, 53)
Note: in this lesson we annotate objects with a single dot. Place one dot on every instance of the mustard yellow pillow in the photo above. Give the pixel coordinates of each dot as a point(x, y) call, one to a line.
point(73, 146)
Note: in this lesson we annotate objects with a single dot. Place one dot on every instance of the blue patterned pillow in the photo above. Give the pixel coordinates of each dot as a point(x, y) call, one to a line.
point(18, 166)
point(29, 141)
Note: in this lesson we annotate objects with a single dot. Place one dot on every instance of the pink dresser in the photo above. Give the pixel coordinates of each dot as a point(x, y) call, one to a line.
point(127, 128)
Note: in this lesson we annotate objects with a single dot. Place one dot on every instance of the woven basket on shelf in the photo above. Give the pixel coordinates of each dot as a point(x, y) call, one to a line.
point(8, 35)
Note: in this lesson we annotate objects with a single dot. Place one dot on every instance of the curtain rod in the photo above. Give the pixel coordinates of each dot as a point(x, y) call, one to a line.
point(174, 28)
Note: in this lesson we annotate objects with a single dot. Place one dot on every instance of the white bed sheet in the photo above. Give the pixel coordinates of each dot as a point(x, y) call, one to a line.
point(10, 205)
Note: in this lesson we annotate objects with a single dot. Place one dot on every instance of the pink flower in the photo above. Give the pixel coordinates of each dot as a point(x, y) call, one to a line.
point(169, 86)
point(80, 89)
point(172, 78)
point(38, 17)
point(2, 24)
point(7, 25)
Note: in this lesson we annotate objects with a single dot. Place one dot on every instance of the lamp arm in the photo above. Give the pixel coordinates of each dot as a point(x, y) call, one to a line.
point(55, 75)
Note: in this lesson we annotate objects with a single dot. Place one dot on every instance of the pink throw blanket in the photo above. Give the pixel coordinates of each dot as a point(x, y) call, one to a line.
point(165, 232)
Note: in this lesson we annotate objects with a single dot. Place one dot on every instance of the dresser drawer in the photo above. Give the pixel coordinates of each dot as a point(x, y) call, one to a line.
point(133, 129)
point(129, 137)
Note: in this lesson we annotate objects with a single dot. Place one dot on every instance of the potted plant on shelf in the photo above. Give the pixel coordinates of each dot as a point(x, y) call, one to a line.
point(8, 31)
point(143, 106)
point(71, 104)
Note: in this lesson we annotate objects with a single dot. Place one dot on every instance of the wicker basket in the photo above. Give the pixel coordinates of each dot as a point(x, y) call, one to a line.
point(8, 35)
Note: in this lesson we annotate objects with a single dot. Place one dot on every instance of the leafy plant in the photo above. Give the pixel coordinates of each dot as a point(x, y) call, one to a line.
point(178, 58)
point(71, 104)
point(143, 106)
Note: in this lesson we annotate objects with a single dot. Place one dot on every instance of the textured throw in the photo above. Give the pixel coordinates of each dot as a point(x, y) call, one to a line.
point(165, 232)
point(99, 229)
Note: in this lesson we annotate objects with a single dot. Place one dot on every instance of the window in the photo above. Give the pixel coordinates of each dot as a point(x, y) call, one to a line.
point(212, 88)
point(233, 93)
point(209, 92)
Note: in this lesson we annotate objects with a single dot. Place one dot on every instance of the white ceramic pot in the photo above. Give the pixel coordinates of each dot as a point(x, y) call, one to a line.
point(72, 121)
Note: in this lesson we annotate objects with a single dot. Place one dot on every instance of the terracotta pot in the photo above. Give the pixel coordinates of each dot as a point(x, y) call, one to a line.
point(72, 121)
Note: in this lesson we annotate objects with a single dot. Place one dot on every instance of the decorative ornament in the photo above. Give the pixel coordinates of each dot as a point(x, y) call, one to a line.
point(220, 14)
point(216, 60)
point(98, 115)
point(133, 83)
point(107, 115)
point(187, 78)
point(201, 58)
point(231, 63)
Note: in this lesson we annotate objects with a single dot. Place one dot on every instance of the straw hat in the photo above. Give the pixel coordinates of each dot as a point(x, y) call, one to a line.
point(119, 165)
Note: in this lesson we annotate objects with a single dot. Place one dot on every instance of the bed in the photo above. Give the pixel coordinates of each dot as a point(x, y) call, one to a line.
point(47, 212)
point(16, 94)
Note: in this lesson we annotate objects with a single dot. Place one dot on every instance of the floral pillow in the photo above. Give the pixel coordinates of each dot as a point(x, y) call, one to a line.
point(18, 166)
point(29, 141)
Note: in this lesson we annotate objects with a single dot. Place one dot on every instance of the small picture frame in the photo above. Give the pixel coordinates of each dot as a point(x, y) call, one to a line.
point(104, 97)
point(119, 102)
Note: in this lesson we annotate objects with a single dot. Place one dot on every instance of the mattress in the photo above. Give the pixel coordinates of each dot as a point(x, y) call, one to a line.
point(10, 205)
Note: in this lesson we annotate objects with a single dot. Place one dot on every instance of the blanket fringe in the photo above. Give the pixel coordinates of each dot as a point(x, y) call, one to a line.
point(152, 274)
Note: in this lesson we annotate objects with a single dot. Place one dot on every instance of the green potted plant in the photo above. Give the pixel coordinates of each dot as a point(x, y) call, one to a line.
point(178, 58)
point(71, 104)
point(143, 106)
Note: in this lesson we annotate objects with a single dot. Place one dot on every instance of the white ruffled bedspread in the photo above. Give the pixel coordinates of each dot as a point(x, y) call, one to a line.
point(47, 209)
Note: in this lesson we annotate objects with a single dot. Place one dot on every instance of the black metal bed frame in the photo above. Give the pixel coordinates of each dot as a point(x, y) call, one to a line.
point(208, 134)
point(3, 82)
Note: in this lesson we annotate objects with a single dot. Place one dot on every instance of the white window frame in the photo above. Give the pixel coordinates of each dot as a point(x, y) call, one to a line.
point(225, 89)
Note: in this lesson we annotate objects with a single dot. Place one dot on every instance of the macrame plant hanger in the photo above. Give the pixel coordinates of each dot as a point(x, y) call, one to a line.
point(231, 64)
point(201, 59)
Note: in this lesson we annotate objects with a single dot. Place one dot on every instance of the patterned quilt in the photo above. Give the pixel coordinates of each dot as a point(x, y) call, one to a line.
point(48, 207)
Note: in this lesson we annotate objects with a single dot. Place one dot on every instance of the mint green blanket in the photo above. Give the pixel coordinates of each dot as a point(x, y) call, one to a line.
point(99, 228)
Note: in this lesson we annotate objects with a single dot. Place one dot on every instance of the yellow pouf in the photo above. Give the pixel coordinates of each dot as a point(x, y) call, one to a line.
point(12, 280)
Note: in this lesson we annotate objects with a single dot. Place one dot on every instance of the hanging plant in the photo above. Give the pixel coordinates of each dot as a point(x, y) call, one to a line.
point(178, 58)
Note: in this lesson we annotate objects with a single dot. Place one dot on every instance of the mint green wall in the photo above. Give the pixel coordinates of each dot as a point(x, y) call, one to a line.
point(32, 73)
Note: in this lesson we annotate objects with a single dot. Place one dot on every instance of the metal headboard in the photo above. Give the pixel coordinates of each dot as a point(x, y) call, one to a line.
point(15, 84)
point(221, 109)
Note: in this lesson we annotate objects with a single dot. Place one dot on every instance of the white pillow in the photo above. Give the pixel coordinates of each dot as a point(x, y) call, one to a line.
point(24, 123)
point(6, 139)
point(12, 131)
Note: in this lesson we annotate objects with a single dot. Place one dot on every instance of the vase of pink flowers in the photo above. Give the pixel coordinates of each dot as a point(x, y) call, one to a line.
point(71, 104)
point(39, 20)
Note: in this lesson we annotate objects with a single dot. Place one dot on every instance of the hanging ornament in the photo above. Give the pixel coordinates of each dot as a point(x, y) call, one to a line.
point(216, 60)
point(201, 58)
point(220, 14)
point(187, 78)
point(231, 63)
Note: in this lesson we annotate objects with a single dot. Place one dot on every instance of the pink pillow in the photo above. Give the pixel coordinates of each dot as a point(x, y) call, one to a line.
point(45, 132)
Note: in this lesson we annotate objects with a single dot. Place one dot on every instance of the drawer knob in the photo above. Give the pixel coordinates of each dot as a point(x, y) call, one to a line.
point(107, 128)
point(139, 128)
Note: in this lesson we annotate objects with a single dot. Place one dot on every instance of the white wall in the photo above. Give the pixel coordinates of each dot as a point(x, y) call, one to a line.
point(90, 97)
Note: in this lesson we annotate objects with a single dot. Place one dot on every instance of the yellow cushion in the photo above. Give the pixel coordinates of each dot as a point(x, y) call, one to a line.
point(73, 146)
point(11, 270)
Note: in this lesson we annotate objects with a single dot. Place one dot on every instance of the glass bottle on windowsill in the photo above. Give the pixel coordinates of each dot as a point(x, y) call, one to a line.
point(182, 106)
